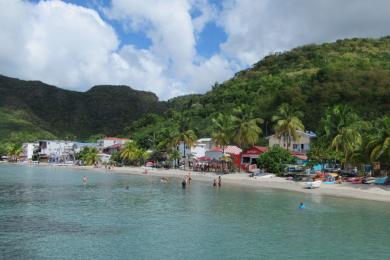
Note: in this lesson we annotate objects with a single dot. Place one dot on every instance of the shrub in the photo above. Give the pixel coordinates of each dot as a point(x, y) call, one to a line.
point(274, 159)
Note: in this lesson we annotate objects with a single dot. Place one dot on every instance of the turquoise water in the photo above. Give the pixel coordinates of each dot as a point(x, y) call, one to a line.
point(48, 213)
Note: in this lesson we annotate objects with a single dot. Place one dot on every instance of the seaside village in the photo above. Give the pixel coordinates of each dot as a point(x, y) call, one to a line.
point(202, 156)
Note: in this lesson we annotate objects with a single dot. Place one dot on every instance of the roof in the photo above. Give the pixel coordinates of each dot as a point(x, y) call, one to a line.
point(255, 150)
point(206, 139)
point(116, 139)
point(233, 149)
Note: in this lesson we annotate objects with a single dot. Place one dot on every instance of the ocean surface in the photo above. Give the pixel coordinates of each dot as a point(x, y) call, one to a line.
point(48, 213)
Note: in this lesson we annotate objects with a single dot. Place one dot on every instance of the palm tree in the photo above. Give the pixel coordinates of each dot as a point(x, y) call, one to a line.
point(245, 130)
point(174, 155)
point(89, 155)
point(129, 152)
point(380, 142)
point(288, 124)
point(336, 118)
point(348, 140)
point(222, 130)
point(14, 152)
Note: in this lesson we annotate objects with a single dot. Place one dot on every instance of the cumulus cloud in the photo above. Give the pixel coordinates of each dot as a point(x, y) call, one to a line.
point(73, 47)
point(257, 28)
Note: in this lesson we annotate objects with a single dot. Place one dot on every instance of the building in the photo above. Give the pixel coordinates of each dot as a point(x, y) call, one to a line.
point(110, 141)
point(29, 149)
point(201, 147)
point(56, 151)
point(251, 155)
point(302, 145)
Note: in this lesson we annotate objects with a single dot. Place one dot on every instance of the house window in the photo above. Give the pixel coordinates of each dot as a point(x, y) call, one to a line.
point(246, 159)
point(302, 147)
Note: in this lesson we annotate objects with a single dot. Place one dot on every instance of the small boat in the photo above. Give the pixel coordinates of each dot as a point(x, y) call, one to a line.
point(381, 181)
point(313, 184)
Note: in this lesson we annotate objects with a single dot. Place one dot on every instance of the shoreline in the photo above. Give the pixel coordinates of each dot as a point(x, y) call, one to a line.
point(345, 190)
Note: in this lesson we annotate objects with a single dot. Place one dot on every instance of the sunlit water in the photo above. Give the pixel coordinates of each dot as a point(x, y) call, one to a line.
point(47, 212)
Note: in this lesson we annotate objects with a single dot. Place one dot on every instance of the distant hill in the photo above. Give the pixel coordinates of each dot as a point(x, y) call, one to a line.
point(50, 111)
point(311, 79)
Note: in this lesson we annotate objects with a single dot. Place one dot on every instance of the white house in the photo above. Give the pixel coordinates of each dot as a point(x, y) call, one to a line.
point(57, 151)
point(28, 150)
point(110, 141)
point(302, 144)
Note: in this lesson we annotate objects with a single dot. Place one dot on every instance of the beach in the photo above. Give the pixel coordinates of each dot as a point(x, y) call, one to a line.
point(345, 190)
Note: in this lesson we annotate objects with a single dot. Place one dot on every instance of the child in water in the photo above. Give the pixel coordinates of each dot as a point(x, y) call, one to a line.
point(301, 205)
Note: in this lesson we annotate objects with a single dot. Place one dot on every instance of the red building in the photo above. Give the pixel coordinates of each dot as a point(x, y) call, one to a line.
point(251, 155)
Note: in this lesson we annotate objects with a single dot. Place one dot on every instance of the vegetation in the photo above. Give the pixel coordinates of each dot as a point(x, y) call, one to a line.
point(287, 124)
point(131, 154)
point(89, 155)
point(275, 159)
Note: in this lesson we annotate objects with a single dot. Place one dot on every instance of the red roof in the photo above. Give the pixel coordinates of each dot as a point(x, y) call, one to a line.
point(255, 150)
point(116, 139)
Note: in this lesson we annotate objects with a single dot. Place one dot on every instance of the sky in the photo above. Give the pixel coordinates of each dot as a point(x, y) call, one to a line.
point(169, 47)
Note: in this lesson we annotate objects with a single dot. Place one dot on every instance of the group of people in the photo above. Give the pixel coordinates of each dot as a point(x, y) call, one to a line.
point(217, 183)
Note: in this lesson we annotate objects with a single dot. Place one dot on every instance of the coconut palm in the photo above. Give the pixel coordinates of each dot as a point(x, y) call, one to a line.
point(287, 124)
point(222, 130)
point(14, 152)
point(129, 152)
point(348, 140)
point(174, 155)
point(89, 155)
point(336, 118)
point(245, 129)
point(380, 142)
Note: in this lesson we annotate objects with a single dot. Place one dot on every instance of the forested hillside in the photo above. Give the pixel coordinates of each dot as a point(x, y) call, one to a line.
point(311, 79)
point(32, 109)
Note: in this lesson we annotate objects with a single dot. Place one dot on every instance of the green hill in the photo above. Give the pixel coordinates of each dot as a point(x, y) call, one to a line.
point(311, 79)
point(50, 111)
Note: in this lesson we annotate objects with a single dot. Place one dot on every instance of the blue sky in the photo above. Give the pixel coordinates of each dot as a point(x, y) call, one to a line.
point(169, 47)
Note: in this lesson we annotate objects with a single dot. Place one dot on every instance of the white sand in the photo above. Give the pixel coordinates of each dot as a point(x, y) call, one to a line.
point(348, 190)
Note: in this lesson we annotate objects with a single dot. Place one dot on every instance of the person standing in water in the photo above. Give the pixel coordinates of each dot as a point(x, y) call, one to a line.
point(215, 183)
point(85, 180)
point(219, 181)
point(184, 183)
point(301, 205)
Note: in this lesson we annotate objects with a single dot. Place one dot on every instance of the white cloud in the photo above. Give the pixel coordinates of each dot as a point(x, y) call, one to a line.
point(256, 28)
point(72, 47)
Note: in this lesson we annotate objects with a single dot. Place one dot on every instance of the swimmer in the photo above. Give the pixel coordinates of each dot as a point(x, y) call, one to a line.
point(301, 205)
point(127, 187)
point(85, 180)
point(215, 183)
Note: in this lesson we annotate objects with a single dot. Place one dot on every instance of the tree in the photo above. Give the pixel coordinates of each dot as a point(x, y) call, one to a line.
point(89, 155)
point(274, 159)
point(337, 118)
point(380, 142)
point(347, 141)
point(287, 124)
point(13, 152)
point(132, 154)
point(245, 129)
point(222, 129)
point(174, 155)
